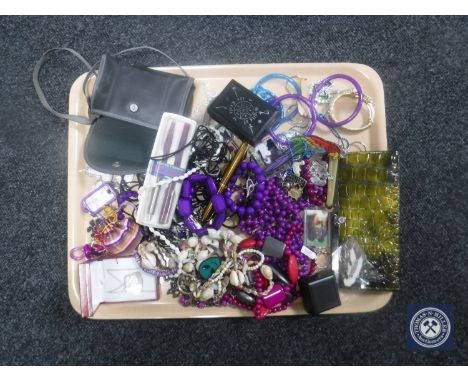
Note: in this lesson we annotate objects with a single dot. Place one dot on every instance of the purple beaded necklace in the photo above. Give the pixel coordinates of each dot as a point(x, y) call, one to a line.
point(280, 218)
point(256, 201)
point(316, 194)
point(278, 214)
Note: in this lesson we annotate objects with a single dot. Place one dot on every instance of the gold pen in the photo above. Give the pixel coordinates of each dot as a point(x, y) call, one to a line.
point(231, 167)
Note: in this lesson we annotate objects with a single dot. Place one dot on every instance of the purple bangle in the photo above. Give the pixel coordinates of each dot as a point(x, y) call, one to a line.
point(324, 83)
point(313, 116)
point(185, 203)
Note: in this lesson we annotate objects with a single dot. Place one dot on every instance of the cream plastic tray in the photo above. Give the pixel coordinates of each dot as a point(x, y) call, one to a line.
point(210, 80)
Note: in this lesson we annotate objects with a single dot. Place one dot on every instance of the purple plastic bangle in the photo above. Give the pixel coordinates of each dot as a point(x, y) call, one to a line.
point(324, 83)
point(313, 116)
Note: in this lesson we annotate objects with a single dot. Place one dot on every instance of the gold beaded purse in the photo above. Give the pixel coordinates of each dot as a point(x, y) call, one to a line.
point(368, 194)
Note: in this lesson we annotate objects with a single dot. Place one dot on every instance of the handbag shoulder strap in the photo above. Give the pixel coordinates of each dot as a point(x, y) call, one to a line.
point(92, 69)
point(143, 47)
point(40, 93)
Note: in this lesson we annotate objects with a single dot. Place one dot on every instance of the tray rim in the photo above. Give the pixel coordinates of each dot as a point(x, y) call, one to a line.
point(235, 313)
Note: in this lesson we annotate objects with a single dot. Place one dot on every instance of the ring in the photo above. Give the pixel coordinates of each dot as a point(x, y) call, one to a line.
point(77, 253)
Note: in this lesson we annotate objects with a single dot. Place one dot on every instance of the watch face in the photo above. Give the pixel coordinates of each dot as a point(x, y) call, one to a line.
point(241, 111)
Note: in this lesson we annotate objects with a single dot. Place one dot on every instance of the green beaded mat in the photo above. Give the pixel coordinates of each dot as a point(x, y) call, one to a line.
point(368, 193)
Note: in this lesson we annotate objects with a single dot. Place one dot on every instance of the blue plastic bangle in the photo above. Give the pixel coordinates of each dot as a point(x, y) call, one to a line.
point(279, 76)
point(269, 97)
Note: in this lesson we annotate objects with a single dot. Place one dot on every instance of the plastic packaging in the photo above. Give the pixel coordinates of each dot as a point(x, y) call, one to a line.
point(114, 280)
point(352, 267)
point(158, 197)
point(317, 229)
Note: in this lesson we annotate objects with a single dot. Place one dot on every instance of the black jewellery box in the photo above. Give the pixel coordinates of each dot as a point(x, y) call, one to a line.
point(243, 112)
point(319, 292)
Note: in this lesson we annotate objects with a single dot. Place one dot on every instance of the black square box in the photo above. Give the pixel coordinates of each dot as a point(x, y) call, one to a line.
point(319, 292)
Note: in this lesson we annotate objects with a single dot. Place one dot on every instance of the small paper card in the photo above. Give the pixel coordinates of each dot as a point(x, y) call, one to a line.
point(308, 252)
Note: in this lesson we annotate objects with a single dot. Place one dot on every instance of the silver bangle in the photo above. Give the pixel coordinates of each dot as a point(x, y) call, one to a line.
point(352, 93)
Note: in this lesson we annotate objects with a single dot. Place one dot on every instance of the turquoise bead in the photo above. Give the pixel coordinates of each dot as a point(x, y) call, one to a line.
point(208, 267)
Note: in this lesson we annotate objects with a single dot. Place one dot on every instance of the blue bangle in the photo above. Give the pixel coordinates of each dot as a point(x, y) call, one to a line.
point(269, 97)
point(279, 76)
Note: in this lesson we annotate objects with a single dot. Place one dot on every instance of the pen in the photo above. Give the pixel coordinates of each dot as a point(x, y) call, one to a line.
point(231, 167)
point(177, 162)
point(166, 150)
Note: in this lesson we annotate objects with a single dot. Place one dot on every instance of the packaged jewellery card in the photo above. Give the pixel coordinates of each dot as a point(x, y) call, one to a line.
point(114, 280)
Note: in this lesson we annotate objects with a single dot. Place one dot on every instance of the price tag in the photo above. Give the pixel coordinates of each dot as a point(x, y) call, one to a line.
point(308, 252)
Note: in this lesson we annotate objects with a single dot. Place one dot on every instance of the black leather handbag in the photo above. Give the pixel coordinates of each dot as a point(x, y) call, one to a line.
point(125, 108)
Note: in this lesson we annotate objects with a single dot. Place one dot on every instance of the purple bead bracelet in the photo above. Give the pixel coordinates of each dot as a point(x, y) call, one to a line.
point(185, 203)
point(154, 272)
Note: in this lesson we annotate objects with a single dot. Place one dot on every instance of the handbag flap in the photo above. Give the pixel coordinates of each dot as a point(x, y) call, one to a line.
point(138, 94)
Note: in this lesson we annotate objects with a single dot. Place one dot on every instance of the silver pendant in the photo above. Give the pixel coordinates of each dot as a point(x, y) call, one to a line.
point(319, 172)
point(293, 184)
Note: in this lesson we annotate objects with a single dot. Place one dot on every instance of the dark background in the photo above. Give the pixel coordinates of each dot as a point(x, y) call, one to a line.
point(423, 64)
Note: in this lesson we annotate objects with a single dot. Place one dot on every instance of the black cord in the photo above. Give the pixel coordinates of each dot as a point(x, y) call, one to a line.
point(205, 144)
point(190, 143)
point(204, 149)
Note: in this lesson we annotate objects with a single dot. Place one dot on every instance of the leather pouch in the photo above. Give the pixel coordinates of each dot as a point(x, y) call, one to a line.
point(125, 107)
